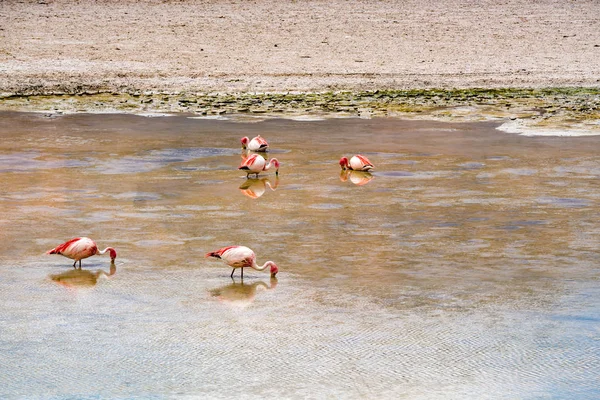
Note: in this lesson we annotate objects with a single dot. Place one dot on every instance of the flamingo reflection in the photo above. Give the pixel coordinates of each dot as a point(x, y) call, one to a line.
point(356, 163)
point(357, 177)
point(241, 295)
point(254, 188)
point(82, 277)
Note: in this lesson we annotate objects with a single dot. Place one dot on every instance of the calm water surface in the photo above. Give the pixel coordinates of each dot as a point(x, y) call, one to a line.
point(465, 266)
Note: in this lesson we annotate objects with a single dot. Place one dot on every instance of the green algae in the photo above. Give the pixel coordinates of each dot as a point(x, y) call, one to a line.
point(578, 103)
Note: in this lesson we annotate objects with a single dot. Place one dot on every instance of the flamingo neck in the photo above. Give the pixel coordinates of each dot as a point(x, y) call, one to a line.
point(258, 267)
point(272, 162)
point(113, 253)
point(263, 267)
point(268, 264)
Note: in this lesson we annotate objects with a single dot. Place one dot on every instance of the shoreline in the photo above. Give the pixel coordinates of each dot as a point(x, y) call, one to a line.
point(547, 111)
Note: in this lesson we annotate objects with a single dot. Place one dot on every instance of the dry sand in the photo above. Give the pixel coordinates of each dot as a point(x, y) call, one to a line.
point(278, 46)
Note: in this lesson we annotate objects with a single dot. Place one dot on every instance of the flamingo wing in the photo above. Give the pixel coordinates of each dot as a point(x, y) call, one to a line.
point(62, 247)
point(254, 163)
point(360, 162)
point(76, 249)
point(258, 144)
point(248, 162)
point(261, 141)
point(235, 256)
point(239, 256)
point(219, 253)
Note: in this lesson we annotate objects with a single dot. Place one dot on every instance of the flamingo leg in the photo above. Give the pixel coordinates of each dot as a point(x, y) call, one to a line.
point(231, 276)
point(74, 264)
point(242, 272)
point(79, 264)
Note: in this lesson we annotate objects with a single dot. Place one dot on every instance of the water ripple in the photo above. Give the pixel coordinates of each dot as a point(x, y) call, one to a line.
point(155, 159)
point(29, 161)
point(565, 202)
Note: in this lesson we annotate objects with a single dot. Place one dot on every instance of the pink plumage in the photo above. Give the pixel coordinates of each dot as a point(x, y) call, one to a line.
point(255, 164)
point(242, 257)
point(79, 248)
point(357, 163)
point(256, 144)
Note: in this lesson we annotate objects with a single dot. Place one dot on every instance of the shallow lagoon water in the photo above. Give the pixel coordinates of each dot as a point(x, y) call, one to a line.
point(464, 266)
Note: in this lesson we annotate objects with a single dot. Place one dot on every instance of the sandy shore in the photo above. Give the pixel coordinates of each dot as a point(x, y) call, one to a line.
point(277, 46)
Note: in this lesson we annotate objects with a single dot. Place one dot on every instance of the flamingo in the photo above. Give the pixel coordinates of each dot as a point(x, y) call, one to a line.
point(79, 248)
point(255, 163)
point(240, 257)
point(357, 163)
point(256, 144)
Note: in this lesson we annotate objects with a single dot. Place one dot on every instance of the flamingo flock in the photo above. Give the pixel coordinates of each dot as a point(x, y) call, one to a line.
point(235, 256)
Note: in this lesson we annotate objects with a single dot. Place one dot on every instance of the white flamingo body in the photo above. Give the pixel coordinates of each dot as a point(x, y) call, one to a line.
point(79, 248)
point(255, 163)
point(357, 163)
point(256, 144)
point(241, 257)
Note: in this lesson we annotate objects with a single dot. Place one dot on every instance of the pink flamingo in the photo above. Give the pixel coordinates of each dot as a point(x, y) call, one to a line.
point(79, 248)
point(240, 257)
point(255, 163)
point(256, 144)
point(357, 163)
